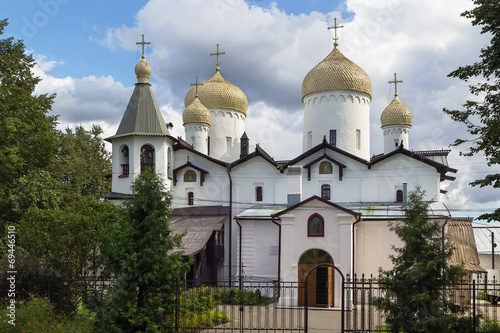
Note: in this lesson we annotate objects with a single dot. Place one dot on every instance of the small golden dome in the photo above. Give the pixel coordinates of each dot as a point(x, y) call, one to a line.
point(143, 71)
point(196, 112)
point(396, 113)
point(336, 72)
point(217, 93)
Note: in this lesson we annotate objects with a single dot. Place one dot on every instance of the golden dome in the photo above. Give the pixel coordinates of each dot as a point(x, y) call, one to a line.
point(143, 71)
point(396, 113)
point(336, 72)
point(196, 112)
point(217, 93)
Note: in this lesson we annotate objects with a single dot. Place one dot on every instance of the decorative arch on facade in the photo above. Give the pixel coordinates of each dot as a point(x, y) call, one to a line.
point(189, 176)
point(325, 168)
point(147, 158)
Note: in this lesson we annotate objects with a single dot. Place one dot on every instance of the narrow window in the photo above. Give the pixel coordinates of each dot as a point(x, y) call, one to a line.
point(358, 139)
point(190, 198)
point(228, 144)
point(208, 145)
point(333, 137)
point(258, 193)
point(325, 192)
point(124, 162)
point(399, 196)
point(309, 139)
point(193, 141)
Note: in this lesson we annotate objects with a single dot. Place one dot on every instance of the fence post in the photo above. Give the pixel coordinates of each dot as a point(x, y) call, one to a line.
point(177, 305)
point(474, 306)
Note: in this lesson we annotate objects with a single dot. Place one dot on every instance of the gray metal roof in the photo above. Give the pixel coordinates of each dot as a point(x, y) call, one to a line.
point(142, 116)
point(199, 223)
point(260, 212)
point(483, 238)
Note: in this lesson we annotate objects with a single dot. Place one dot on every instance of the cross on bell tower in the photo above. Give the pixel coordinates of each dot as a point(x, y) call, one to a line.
point(335, 26)
point(395, 84)
point(143, 43)
point(217, 57)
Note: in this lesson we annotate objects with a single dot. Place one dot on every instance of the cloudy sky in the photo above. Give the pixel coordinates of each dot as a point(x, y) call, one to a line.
point(86, 53)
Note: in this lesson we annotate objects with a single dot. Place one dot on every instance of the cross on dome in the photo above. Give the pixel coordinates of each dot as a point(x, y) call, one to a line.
point(196, 84)
point(142, 43)
point(395, 84)
point(335, 26)
point(217, 57)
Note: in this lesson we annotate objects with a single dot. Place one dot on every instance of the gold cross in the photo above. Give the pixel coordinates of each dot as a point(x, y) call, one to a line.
point(196, 84)
point(217, 55)
point(395, 84)
point(143, 43)
point(335, 26)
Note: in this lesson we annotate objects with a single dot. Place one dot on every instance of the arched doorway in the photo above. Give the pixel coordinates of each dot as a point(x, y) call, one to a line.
point(321, 281)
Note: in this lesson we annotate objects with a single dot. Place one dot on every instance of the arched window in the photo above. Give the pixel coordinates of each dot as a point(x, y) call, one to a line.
point(399, 196)
point(325, 192)
point(190, 198)
point(325, 168)
point(189, 176)
point(124, 163)
point(147, 158)
point(258, 193)
point(315, 226)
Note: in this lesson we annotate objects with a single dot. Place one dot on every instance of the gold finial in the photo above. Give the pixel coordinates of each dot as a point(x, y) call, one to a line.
point(335, 26)
point(196, 84)
point(142, 43)
point(217, 57)
point(395, 84)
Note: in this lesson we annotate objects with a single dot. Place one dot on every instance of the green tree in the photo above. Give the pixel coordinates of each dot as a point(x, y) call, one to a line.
point(28, 137)
point(82, 162)
point(482, 114)
point(142, 255)
point(414, 298)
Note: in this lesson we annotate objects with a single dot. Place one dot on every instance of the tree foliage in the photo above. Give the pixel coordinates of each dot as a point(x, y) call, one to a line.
point(28, 136)
point(482, 114)
point(415, 299)
point(141, 253)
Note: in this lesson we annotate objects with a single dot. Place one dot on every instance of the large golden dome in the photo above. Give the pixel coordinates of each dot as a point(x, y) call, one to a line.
point(396, 113)
point(336, 72)
point(196, 112)
point(217, 93)
point(143, 71)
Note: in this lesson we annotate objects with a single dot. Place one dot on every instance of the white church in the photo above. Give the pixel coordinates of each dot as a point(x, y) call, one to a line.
point(248, 215)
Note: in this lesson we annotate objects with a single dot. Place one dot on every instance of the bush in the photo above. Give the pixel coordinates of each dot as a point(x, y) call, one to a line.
point(36, 314)
point(489, 325)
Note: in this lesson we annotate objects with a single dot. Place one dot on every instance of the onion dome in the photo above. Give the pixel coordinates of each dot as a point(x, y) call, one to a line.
point(196, 112)
point(336, 72)
point(143, 71)
point(396, 113)
point(217, 93)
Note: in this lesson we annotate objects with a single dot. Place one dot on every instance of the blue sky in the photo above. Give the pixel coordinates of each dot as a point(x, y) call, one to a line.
point(86, 54)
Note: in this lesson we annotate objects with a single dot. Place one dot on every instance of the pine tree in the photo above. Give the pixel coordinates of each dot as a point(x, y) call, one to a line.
point(414, 298)
point(142, 255)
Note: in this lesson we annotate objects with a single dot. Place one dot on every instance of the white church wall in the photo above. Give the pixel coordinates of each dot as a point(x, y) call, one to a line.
point(346, 112)
point(254, 173)
point(399, 169)
point(225, 132)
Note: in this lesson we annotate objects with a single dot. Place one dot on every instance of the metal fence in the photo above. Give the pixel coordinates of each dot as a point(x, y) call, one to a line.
point(479, 299)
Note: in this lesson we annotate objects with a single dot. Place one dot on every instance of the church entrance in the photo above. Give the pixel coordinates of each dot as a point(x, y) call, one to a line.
point(321, 281)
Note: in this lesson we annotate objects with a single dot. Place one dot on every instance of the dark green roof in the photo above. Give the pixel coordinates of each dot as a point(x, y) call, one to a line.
point(142, 116)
